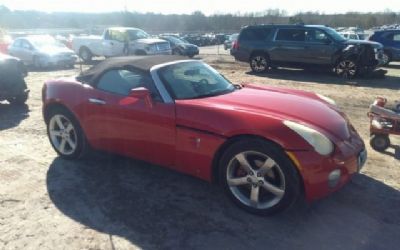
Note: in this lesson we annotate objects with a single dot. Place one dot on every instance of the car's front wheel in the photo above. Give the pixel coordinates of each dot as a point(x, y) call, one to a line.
point(259, 63)
point(386, 58)
point(346, 68)
point(259, 177)
point(65, 134)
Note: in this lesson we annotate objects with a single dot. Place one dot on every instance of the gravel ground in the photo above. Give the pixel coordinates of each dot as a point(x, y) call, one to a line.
point(111, 202)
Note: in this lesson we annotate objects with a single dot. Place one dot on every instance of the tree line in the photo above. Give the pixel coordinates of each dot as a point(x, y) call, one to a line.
point(194, 22)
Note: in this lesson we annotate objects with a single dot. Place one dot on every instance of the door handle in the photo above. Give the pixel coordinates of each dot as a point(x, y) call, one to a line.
point(97, 101)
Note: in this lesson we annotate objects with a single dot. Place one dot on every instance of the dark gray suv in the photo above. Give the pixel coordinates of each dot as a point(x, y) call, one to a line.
point(268, 46)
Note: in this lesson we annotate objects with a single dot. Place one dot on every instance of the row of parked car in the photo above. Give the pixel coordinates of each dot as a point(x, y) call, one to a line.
point(46, 51)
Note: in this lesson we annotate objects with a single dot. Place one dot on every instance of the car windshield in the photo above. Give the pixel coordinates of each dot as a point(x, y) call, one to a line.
point(175, 40)
point(46, 43)
point(191, 80)
point(334, 34)
point(137, 34)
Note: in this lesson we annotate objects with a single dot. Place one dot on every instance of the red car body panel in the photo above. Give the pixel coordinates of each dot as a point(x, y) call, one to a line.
point(186, 135)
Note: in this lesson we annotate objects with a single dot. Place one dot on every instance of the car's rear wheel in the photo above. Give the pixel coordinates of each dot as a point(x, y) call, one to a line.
point(259, 63)
point(259, 177)
point(347, 68)
point(65, 134)
point(379, 142)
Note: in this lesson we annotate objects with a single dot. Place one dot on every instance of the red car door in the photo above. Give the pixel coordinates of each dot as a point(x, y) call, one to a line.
point(123, 124)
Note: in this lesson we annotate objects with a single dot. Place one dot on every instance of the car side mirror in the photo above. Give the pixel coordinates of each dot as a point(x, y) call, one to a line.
point(142, 93)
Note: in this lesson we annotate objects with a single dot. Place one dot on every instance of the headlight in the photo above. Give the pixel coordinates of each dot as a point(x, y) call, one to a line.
point(318, 141)
point(327, 99)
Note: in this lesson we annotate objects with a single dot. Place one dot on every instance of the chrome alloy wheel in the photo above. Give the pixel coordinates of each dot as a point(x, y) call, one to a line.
point(385, 59)
point(63, 134)
point(259, 63)
point(255, 179)
point(347, 69)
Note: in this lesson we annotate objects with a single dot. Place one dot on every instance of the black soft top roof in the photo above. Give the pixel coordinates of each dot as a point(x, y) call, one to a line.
point(143, 63)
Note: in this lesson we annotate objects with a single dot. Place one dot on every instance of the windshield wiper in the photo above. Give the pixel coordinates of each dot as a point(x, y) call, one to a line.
point(215, 93)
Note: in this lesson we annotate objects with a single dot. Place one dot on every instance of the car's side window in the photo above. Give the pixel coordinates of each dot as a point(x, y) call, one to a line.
point(292, 35)
point(260, 34)
point(25, 45)
point(316, 36)
point(17, 43)
point(117, 35)
point(122, 81)
point(392, 36)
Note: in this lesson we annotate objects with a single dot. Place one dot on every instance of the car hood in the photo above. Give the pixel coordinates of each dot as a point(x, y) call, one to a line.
point(284, 104)
point(150, 40)
point(54, 50)
point(357, 42)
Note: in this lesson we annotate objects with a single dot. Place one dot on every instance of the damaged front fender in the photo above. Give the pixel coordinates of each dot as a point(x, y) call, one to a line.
point(358, 60)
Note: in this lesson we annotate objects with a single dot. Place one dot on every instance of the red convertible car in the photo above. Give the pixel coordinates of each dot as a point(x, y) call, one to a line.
point(266, 146)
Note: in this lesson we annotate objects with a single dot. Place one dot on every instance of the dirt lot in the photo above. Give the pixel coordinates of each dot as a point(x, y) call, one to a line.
point(110, 202)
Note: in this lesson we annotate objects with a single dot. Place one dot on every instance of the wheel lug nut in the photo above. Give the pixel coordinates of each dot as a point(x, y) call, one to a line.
point(249, 179)
point(260, 182)
point(251, 173)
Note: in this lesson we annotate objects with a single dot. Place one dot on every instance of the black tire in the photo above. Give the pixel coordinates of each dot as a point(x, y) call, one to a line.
point(398, 108)
point(85, 54)
point(19, 99)
point(259, 63)
point(82, 147)
point(379, 142)
point(283, 169)
point(347, 68)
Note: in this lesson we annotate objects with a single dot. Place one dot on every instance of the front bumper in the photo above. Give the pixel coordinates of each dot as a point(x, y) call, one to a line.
point(58, 60)
point(191, 52)
point(348, 159)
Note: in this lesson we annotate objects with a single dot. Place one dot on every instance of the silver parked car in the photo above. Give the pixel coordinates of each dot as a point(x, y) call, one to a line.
point(42, 51)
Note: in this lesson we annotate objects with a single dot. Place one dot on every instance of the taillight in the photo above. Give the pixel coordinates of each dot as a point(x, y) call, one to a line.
point(235, 44)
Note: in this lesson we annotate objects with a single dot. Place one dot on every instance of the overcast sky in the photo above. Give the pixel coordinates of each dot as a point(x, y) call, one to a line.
point(206, 6)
